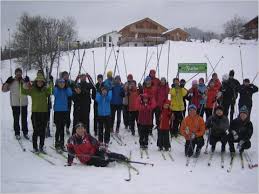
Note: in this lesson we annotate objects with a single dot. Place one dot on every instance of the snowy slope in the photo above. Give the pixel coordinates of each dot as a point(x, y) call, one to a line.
point(23, 172)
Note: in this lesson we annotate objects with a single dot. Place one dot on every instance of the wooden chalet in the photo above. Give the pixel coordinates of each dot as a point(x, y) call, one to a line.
point(250, 29)
point(176, 35)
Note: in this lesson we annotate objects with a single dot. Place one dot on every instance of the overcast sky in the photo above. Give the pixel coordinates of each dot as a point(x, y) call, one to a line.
point(96, 17)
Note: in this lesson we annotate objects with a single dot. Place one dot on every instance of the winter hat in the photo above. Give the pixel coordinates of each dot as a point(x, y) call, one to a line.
point(152, 72)
point(99, 76)
point(117, 77)
point(40, 77)
point(163, 79)
point(166, 101)
point(225, 77)
point(64, 73)
point(243, 109)
point(219, 108)
point(109, 74)
point(192, 106)
point(78, 125)
point(247, 80)
point(18, 70)
point(194, 82)
point(232, 73)
point(201, 80)
point(61, 80)
point(148, 78)
point(130, 77)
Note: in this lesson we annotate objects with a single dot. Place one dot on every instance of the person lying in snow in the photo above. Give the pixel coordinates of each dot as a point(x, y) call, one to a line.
point(88, 150)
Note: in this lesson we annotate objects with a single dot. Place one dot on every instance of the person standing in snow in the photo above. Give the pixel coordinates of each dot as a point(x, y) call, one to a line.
point(18, 102)
point(133, 94)
point(98, 89)
point(109, 81)
point(103, 100)
point(61, 94)
point(182, 85)
point(202, 91)
point(240, 131)
point(229, 91)
point(116, 102)
point(215, 79)
point(39, 93)
point(88, 150)
point(193, 129)
point(246, 91)
point(145, 105)
point(218, 125)
point(211, 99)
point(163, 141)
point(194, 96)
point(177, 105)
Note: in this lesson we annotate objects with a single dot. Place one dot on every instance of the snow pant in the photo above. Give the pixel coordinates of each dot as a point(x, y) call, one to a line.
point(68, 120)
point(60, 119)
point(156, 111)
point(232, 109)
point(116, 108)
point(243, 147)
point(39, 122)
point(184, 111)
point(143, 131)
point(83, 117)
point(95, 118)
point(214, 139)
point(104, 124)
point(201, 110)
point(163, 140)
point(16, 118)
point(178, 117)
point(125, 115)
point(102, 159)
point(208, 112)
point(48, 117)
point(133, 116)
point(191, 144)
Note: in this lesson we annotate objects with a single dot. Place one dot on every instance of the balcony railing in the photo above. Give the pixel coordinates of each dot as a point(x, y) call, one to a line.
point(149, 39)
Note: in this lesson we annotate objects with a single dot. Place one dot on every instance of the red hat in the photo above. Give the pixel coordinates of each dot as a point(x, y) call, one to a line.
point(166, 101)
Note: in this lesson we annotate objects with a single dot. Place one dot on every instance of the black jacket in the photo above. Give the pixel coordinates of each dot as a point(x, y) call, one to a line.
point(229, 90)
point(244, 129)
point(217, 125)
point(246, 93)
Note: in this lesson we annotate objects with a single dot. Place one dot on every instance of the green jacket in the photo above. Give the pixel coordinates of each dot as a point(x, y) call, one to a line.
point(39, 97)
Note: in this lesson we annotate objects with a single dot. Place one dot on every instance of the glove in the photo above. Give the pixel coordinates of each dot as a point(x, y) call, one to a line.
point(187, 130)
point(190, 95)
point(241, 143)
point(26, 79)
point(207, 132)
point(102, 148)
point(9, 80)
point(235, 136)
point(226, 132)
point(193, 136)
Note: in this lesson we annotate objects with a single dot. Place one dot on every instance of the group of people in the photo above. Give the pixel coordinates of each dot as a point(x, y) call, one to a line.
point(140, 105)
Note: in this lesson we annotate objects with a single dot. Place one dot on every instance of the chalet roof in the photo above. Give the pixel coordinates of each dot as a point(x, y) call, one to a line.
point(114, 31)
point(251, 21)
point(145, 19)
point(172, 30)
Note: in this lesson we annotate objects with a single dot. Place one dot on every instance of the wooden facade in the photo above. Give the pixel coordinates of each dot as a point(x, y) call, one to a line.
point(250, 29)
point(176, 35)
point(147, 32)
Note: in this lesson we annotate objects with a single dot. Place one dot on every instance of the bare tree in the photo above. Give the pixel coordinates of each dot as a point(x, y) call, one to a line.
point(43, 38)
point(233, 27)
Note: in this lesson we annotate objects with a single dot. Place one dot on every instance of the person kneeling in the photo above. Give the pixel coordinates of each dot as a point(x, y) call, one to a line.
point(193, 129)
point(88, 150)
point(240, 131)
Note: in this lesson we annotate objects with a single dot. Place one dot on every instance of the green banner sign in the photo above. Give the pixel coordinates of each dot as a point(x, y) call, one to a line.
point(192, 67)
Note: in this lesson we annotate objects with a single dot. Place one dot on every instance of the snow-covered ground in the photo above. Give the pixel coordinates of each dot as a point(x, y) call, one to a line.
point(23, 172)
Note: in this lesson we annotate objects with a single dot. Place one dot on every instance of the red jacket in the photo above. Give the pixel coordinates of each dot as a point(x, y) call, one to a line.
point(194, 97)
point(82, 147)
point(152, 92)
point(145, 111)
point(217, 84)
point(165, 119)
point(133, 98)
point(211, 97)
point(162, 93)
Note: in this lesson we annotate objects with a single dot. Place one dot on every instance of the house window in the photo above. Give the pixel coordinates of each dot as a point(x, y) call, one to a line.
point(135, 44)
point(104, 44)
point(110, 39)
point(104, 38)
point(110, 45)
point(140, 25)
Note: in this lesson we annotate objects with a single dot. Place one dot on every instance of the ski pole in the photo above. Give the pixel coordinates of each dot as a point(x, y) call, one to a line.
point(107, 62)
point(116, 61)
point(213, 69)
point(81, 63)
point(158, 60)
point(145, 63)
point(207, 142)
point(255, 77)
point(70, 67)
point(147, 66)
point(124, 64)
point(241, 62)
point(192, 77)
point(94, 67)
point(10, 54)
point(168, 59)
point(216, 65)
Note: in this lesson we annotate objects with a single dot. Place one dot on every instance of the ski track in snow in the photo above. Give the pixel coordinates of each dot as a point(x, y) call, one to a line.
point(23, 172)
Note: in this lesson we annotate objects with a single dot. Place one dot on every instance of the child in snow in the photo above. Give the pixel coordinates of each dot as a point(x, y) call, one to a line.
point(163, 140)
point(103, 100)
point(39, 93)
point(88, 150)
point(145, 106)
point(61, 93)
point(193, 129)
point(133, 107)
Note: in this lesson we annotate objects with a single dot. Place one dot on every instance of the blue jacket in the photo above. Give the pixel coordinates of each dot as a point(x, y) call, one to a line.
point(117, 94)
point(108, 84)
point(202, 88)
point(104, 104)
point(61, 99)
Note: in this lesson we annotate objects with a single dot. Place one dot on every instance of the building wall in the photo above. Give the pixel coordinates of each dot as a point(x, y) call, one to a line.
point(108, 40)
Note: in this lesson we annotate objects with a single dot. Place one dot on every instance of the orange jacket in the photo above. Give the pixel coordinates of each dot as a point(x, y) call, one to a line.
point(195, 125)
